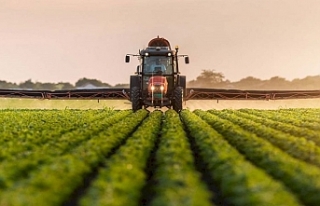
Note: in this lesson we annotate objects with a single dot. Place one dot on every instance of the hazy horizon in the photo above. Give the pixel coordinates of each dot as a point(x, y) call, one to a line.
point(63, 41)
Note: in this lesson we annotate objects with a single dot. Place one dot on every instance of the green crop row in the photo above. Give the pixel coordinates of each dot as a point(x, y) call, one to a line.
point(312, 135)
point(29, 160)
point(297, 147)
point(304, 114)
point(176, 181)
point(240, 182)
point(122, 178)
point(52, 184)
point(298, 119)
point(38, 128)
point(302, 178)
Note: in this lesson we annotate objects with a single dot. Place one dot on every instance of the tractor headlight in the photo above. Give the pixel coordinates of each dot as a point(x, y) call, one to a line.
point(152, 88)
point(161, 88)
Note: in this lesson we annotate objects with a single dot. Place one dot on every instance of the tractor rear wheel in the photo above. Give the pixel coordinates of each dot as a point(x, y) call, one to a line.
point(177, 99)
point(135, 99)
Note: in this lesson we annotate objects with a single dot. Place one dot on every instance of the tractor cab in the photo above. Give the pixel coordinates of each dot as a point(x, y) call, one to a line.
point(155, 64)
point(158, 82)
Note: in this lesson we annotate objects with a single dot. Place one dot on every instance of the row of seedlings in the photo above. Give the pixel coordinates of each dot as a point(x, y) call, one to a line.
point(310, 115)
point(37, 128)
point(52, 184)
point(297, 147)
point(121, 180)
point(23, 145)
point(312, 135)
point(29, 160)
point(239, 181)
point(299, 119)
point(175, 180)
point(302, 178)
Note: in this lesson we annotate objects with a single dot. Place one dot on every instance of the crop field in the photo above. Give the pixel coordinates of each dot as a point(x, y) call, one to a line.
point(201, 157)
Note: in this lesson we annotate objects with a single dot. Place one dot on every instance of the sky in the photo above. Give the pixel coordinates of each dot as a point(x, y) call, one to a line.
point(65, 40)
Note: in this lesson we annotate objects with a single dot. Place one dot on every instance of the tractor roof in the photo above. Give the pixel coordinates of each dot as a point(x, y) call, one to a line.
point(159, 42)
point(158, 47)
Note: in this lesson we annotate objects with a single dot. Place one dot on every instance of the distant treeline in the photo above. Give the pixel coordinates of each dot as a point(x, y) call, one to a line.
point(80, 84)
point(212, 79)
point(207, 79)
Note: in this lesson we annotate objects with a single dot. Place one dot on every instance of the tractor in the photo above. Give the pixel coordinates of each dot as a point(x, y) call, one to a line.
point(157, 82)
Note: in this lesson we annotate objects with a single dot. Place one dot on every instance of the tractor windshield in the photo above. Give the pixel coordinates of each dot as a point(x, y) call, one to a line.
point(152, 64)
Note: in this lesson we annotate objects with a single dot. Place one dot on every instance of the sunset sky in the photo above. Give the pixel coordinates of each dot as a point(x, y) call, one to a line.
point(65, 40)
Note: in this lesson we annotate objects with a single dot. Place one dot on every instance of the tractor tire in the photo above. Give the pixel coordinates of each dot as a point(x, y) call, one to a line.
point(135, 99)
point(177, 99)
point(183, 83)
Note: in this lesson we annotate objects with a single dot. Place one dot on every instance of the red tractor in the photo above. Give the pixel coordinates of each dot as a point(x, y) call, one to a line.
point(157, 82)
